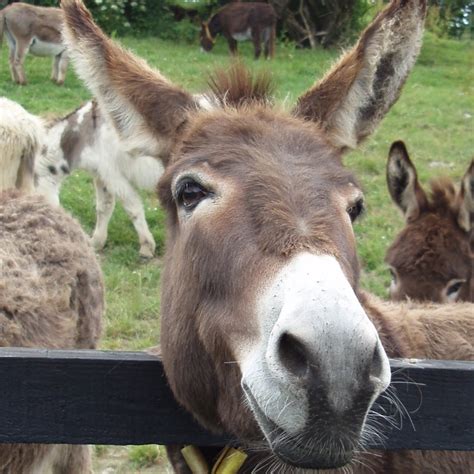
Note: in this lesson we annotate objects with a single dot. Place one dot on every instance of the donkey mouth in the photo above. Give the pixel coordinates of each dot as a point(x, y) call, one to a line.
point(304, 449)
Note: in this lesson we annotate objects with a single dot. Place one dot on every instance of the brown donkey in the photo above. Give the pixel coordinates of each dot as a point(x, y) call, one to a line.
point(37, 30)
point(242, 21)
point(432, 258)
point(265, 332)
point(51, 296)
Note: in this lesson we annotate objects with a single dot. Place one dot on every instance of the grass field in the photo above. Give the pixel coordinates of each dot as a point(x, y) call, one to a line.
point(435, 116)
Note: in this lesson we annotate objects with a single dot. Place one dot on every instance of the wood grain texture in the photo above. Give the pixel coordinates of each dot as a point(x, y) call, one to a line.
point(122, 398)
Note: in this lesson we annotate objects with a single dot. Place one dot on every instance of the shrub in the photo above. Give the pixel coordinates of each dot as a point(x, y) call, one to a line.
point(305, 22)
point(452, 18)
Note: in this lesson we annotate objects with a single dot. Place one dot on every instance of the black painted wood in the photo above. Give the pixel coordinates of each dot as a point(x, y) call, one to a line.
point(122, 398)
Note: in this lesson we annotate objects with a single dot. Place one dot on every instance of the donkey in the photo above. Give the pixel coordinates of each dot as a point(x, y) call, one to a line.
point(432, 258)
point(51, 289)
point(36, 30)
point(84, 139)
point(265, 333)
point(239, 22)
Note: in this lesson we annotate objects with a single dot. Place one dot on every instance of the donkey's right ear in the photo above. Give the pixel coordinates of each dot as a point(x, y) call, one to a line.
point(402, 182)
point(147, 110)
point(466, 197)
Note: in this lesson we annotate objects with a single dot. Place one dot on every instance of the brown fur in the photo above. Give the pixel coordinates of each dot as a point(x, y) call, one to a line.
point(51, 296)
point(274, 186)
point(433, 250)
point(235, 86)
point(237, 18)
point(325, 102)
point(163, 113)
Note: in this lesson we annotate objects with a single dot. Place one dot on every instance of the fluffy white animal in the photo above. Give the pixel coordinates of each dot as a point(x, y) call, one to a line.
point(21, 135)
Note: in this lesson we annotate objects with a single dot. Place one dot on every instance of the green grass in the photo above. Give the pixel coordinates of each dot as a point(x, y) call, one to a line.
point(435, 117)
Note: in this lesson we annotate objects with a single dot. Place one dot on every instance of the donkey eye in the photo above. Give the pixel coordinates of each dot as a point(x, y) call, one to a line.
point(454, 288)
point(356, 209)
point(190, 193)
point(393, 274)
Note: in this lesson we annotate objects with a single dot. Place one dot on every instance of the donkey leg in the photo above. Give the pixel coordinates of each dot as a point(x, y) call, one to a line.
point(63, 60)
point(257, 41)
point(232, 45)
point(11, 61)
point(105, 204)
point(18, 60)
point(73, 459)
point(269, 42)
point(133, 206)
point(55, 69)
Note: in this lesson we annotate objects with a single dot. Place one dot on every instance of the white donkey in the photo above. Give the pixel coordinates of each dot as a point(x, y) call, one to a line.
point(85, 140)
point(37, 30)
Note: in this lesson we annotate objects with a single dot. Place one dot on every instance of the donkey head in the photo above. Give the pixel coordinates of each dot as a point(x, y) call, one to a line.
point(432, 258)
point(263, 334)
point(205, 37)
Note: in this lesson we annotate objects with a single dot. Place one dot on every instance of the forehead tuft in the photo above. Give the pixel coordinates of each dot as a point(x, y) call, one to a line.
point(236, 86)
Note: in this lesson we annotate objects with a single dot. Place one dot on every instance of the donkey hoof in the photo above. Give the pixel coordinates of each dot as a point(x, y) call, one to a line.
point(147, 251)
point(146, 254)
point(98, 244)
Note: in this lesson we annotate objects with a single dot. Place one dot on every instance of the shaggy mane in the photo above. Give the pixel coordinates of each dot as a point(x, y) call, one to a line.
point(237, 86)
point(443, 194)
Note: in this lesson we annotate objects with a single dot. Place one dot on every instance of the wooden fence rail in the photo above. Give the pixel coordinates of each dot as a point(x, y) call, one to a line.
point(122, 398)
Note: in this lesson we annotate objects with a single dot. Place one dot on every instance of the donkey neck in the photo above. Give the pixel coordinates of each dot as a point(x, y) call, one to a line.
point(214, 26)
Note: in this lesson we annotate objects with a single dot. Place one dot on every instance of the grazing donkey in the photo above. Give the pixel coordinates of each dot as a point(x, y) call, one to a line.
point(51, 290)
point(37, 30)
point(242, 21)
point(265, 332)
point(432, 258)
point(84, 139)
point(21, 135)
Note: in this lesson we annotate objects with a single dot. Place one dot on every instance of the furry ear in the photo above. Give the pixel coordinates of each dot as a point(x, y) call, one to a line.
point(146, 109)
point(351, 100)
point(466, 196)
point(402, 182)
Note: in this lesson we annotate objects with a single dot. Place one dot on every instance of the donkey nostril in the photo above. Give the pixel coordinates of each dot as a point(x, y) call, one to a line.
point(377, 362)
point(292, 354)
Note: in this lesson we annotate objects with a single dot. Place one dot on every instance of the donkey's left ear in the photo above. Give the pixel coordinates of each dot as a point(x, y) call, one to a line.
point(146, 108)
point(402, 182)
point(350, 101)
point(466, 196)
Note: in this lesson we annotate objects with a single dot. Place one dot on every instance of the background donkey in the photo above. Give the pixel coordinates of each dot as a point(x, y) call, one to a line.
point(84, 139)
point(432, 258)
point(238, 21)
point(37, 30)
